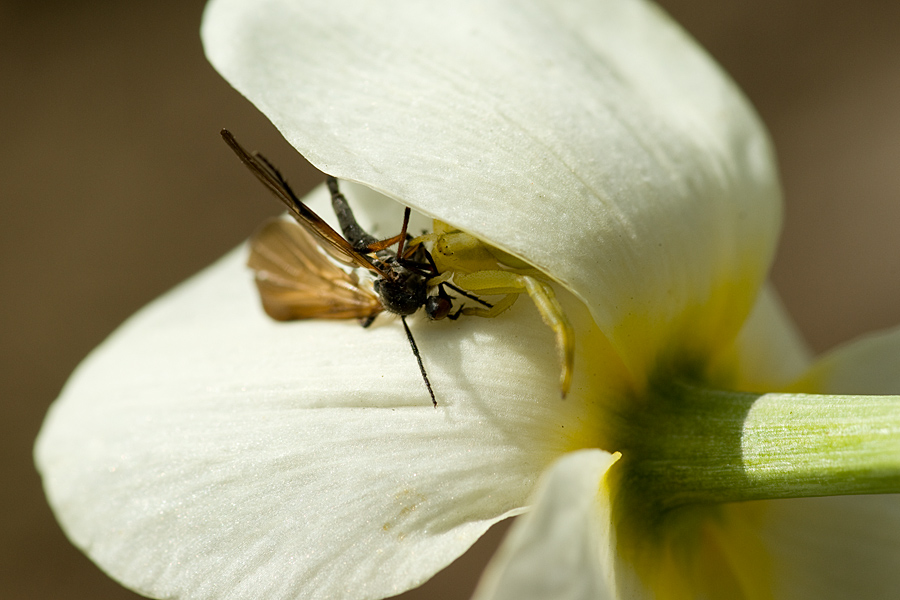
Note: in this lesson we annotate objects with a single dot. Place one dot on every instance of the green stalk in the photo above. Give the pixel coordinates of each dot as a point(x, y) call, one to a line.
point(691, 445)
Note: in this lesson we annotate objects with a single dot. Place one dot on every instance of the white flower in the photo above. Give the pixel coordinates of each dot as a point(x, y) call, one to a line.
point(205, 451)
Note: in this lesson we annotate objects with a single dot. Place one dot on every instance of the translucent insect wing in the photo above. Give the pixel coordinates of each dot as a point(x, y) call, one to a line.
point(297, 281)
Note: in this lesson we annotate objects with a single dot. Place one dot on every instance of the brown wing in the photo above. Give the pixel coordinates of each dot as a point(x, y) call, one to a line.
point(339, 248)
point(297, 281)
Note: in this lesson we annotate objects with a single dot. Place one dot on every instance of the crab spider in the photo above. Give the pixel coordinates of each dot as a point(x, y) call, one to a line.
point(478, 268)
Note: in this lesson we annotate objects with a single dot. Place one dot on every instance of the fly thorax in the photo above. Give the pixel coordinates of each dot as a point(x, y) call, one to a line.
point(403, 295)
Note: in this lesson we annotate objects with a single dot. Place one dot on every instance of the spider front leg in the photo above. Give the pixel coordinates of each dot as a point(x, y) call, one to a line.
point(512, 285)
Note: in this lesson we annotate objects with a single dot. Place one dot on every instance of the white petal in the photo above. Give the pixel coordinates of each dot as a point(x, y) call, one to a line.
point(592, 139)
point(835, 548)
point(769, 353)
point(869, 365)
point(564, 548)
point(205, 451)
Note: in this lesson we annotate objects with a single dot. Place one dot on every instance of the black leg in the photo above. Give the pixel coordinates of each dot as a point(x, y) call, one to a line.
point(415, 349)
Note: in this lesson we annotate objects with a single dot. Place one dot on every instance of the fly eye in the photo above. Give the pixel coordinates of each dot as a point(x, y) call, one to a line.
point(437, 307)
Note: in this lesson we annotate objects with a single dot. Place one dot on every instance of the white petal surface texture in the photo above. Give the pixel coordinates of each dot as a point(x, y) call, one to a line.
point(834, 548)
point(564, 548)
point(592, 139)
point(769, 353)
point(205, 451)
point(869, 365)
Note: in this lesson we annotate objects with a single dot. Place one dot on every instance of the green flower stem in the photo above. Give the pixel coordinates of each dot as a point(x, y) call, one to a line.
point(691, 445)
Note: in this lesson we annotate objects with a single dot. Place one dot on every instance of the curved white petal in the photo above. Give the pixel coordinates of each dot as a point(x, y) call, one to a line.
point(834, 548)
point(205, 451)
point(769, 354)
point(869, 365)
point(593, 139)
point(564, 548)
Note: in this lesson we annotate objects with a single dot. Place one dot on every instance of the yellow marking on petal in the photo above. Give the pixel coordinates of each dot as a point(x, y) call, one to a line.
point(408, 501)
point(710, 551)
point(737, 541)
point(601, 384)
point(688, 343)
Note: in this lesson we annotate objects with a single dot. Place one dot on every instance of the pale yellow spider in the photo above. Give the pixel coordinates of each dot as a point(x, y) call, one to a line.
point(478, 268)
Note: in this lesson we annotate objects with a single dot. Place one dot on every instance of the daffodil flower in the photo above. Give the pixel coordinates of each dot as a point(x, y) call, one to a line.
point(205, 451)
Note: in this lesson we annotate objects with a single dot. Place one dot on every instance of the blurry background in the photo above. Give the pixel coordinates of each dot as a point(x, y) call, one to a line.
point(115, 186)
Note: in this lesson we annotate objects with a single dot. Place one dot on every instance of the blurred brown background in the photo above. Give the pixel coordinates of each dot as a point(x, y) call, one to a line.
point(114, 186)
